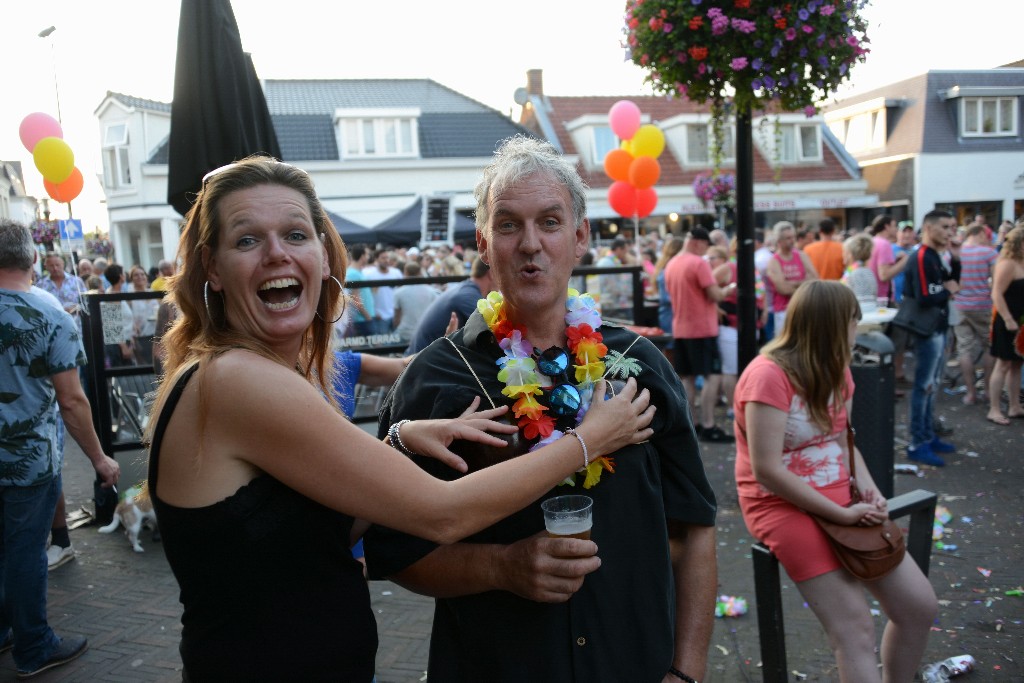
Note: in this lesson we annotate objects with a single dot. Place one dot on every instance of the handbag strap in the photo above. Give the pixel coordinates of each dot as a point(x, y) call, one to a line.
point(850, 447)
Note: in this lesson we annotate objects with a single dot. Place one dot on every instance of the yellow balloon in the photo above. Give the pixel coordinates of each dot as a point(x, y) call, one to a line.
point(54, 159)
point(628, 146)
point(649, 141)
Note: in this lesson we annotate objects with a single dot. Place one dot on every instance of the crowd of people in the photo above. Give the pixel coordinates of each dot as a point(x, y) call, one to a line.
point(510, 360)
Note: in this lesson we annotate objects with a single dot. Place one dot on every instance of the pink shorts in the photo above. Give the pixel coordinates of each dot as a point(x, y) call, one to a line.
point(791, 534)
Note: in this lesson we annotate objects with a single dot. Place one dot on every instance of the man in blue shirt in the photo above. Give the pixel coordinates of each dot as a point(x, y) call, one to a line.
point(40, 351)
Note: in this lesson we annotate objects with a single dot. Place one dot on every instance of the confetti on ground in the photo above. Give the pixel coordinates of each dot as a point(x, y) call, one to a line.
point(725, 650)
point(985, 572)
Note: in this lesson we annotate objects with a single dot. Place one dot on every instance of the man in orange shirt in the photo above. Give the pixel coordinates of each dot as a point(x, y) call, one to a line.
point(827, 253)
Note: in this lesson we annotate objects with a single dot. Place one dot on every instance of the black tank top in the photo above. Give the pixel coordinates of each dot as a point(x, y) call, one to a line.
point(270, 589)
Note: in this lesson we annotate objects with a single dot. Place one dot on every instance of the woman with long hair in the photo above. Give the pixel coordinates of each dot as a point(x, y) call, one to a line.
point(256, 476)
point(143, 316)
point(672, 246)
point(1006, 336)
point(792, 408)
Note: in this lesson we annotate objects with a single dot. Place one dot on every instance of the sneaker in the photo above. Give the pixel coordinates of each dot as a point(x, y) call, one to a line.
point(8, 642)
point(715, 435)
point(70, 648)
point(57, 556)
point(939, 446)
point(923, 454)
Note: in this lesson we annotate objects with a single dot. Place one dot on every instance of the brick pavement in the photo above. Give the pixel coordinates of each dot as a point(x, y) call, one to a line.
point(127, 603)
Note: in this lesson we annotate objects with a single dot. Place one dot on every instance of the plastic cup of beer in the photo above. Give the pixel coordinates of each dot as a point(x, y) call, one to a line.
point(568, 516)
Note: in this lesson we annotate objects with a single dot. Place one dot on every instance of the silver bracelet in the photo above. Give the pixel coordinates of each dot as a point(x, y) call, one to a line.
point(586, 453)
point(396, 439)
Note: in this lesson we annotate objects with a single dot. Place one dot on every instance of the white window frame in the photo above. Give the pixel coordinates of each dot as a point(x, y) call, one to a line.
point(598, 147)
point(793, 150)
point(977, 116)
point(378, 133)
point(117, 168)
point(728, 151)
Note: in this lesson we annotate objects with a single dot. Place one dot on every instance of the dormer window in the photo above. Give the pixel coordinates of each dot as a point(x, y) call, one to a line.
point(117, 170)
point(593, 139)
point(699, 137)
point(378, 133)
point(862, 132)
point(790, 143)
point(988, 116)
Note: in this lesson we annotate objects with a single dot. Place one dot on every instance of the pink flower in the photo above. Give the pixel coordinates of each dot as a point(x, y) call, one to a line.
point(827, 9)
point(852, 41)
point(810, 111)
point(790, 33)
point(807, 28)
point(667, 28)
point(738, 63)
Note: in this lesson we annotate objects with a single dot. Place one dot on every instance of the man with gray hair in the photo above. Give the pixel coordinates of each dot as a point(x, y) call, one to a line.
point(786, 270)
point(39, 361)
point(166, 269)
point(514, 604)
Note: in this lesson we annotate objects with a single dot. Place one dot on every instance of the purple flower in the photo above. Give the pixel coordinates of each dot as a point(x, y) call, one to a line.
point(803, 14)
point(756, 84)
point(738, 63)
point(807, 28)
point(827, 9)
point(810, 111)
point(842, 69)
point(719, 25)
point(756, 64)
point(852, 41)
point(823, 61)
point(775, 50)
point(769, 82)
point(714, 12)
point(744, 26)
point(667, 28)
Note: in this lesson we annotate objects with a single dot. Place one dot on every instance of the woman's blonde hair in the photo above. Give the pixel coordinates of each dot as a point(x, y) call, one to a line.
point(813, 348)
point(859, 247)
point(672, 246)
point(1013, 243)
point(201, 329)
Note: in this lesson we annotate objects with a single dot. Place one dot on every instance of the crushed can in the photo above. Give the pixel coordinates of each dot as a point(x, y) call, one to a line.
point(941, 672)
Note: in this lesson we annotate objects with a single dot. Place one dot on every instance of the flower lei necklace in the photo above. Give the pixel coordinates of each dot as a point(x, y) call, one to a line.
point(566, 403)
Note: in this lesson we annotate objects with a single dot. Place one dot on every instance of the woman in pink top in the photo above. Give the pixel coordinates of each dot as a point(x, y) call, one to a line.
point(792, 405)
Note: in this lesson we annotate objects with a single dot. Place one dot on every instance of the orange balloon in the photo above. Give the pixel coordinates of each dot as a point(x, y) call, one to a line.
point(644, 172)
point(68, 190)
point(616, 164)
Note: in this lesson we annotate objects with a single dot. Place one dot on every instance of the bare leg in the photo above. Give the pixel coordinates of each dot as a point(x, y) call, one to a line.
point(1013, 389)
point(995, 391)
point(728, 388)
point(708, 400)
point(967, 372)
point(909, 602)
point(837, 599)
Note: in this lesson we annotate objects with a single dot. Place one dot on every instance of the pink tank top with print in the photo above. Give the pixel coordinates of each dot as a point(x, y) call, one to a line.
point(793, 270)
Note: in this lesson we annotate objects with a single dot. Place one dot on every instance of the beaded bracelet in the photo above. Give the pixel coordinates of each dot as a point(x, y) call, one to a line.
point(680, 675)
point(586, 453)
point(396, 439)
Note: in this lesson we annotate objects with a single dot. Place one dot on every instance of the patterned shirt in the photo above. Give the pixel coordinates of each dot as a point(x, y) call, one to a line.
point(36, 342)
point(68, 293)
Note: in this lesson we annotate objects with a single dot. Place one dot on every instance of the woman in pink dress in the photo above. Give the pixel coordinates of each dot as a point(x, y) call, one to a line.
point(792, 406)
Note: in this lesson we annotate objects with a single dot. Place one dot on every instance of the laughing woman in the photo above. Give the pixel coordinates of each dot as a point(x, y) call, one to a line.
point(256, 479)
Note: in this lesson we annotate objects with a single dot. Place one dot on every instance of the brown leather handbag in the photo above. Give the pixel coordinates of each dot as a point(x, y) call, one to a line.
point(867, 552)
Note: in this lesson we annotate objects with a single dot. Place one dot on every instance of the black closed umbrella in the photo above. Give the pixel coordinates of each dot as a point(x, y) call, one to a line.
point(219, 113)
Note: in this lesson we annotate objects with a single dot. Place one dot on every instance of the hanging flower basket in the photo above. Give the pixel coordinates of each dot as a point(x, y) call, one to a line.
point(45, 232)
point(98, 245)
point(717, 189)
point(759, 55)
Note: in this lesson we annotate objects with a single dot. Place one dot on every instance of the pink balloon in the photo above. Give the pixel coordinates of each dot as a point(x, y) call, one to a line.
point(37, 126)
point(624, 118)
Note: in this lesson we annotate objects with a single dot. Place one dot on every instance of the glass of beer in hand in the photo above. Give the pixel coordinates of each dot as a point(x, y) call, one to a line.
point(568, 516)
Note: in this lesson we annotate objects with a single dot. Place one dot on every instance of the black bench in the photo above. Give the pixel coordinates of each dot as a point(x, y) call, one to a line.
point(919, 504)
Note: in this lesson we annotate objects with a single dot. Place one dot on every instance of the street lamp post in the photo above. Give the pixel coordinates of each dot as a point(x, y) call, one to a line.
point(46, 33)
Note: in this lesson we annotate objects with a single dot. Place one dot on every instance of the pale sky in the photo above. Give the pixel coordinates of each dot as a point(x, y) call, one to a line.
point(480, 49)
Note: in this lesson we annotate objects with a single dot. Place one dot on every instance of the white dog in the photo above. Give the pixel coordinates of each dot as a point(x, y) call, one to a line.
point(134, 511)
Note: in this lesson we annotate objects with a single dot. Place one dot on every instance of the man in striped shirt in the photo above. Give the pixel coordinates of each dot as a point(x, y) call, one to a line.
point(974, 303)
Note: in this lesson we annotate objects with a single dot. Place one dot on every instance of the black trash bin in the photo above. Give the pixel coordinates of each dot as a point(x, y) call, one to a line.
point(874, 417)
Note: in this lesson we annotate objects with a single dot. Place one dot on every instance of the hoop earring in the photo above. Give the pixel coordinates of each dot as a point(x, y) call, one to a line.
point(206, 299)
point(340, 315)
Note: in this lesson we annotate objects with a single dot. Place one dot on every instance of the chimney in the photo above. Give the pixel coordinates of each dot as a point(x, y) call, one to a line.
point(535, 82)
